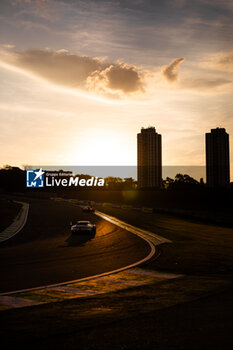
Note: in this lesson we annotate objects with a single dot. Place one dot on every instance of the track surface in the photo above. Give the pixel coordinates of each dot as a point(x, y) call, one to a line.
point(44, 252)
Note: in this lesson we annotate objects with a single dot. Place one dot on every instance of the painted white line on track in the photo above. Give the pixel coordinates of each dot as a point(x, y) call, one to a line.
point(17, 224)
point(18, 302)
point(141, 233)
point(156, 239)
point(70, 290)
point(156, 274)
point(151, 254)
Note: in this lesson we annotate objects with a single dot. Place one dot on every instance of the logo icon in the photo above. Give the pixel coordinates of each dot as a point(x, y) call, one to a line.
point(35, 178)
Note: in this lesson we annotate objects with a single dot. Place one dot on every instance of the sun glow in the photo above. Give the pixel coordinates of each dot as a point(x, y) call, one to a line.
point(101, 147)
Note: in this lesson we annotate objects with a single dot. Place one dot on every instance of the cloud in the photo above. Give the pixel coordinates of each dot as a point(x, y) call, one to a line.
point(78, 72)
point(8, 46)
point(222, 4)
point(170, 72)
point(117, 77)
point(222, 61)
point(27, 1)
point(205, 84)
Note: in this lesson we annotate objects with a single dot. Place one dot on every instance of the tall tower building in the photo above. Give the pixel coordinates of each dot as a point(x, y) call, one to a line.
point(217, 158)
point(149, 158)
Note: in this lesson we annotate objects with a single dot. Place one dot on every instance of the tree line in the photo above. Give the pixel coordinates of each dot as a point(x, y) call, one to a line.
point(14, 179)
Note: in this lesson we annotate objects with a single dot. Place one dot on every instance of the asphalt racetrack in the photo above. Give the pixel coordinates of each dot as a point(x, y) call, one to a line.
point(45, 252)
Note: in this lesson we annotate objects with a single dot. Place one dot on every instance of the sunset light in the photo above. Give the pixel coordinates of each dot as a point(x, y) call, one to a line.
point(101, 147)
point(116, 180)
point(69, 77)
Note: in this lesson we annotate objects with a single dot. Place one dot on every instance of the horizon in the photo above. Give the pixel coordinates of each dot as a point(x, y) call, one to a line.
point(197, 172)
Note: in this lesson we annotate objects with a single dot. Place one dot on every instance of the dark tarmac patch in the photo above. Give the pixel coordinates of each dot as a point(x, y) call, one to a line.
point(79, 240)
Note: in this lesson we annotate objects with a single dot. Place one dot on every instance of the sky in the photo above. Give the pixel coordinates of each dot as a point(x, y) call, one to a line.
point(80, 78)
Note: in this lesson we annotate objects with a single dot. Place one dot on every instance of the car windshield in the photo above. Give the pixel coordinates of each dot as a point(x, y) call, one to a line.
point(83, 223)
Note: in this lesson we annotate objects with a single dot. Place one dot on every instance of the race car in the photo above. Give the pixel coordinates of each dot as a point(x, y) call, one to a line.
point(80, 227)
point(89, 209)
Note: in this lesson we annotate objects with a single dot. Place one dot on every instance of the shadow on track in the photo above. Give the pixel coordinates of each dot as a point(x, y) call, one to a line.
point(79, 240)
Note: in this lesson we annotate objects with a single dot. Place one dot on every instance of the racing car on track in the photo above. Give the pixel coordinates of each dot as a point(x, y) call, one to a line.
point(80, 227)
point(89, 209)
